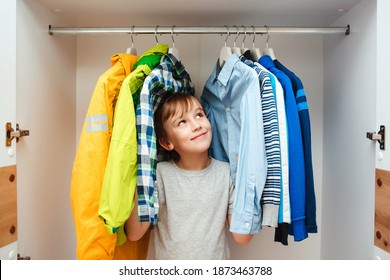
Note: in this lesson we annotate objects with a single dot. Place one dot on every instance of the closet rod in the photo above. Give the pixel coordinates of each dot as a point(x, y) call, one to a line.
point(198, 30)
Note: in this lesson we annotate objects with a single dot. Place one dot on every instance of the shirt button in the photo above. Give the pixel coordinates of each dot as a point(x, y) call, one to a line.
point(228, 110)
point(246, 225)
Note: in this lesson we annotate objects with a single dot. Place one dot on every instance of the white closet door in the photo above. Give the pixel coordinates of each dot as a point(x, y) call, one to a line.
point(7, 99)
point(45, 105)
point(38, 92)
point(382, 118)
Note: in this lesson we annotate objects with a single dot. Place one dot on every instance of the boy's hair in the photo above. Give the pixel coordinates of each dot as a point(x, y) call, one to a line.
point(171, 105)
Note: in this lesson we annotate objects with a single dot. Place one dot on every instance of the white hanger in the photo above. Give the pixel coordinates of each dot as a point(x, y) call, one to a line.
point(269, 51)
point(132, 50)
point(235, 49)
point(174, 51)
point(225, 50)
point(255, 52)
point(243, 48)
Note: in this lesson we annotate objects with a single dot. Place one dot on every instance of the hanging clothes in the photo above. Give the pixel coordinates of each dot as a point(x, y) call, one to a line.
point(284, 215)
point(232, 104)
point(295, 150)
point(93, 240)
point(120, 178)
point(131, 250)
point(169, 76)
point(270, 198)
point(304, 118)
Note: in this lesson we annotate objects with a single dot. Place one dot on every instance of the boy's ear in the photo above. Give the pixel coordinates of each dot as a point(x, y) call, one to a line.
point(166, 144)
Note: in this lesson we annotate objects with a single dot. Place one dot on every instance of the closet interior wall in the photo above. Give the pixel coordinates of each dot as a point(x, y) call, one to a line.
point(46, 71)
point(350, 96)
point(66, 68)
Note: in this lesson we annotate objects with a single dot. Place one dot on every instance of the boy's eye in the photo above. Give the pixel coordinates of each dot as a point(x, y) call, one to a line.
point(199, 115)
point(182, 122)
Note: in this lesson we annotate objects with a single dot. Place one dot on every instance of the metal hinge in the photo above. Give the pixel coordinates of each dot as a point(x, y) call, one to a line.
point(380, 137)
point(10, 134)
point(19, 257)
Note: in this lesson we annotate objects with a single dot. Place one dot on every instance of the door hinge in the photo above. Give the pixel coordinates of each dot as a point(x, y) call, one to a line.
point(19, 257)
point(10, 134)
point(380, 137)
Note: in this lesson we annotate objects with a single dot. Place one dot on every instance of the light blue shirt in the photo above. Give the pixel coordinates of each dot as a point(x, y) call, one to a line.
point(231, 99)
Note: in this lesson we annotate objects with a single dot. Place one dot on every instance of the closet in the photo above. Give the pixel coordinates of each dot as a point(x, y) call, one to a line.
point(50, 79)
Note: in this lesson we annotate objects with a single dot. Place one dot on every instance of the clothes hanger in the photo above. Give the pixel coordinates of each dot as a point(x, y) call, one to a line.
point(155, 34)
point(255, 52)
point(132, 50)
point(235, 49)
point(268, 51)
point(225, 50)
point(243, 48)
point(174, 51)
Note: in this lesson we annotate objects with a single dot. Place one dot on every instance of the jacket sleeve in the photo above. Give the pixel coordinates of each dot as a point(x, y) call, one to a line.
point(93, 240)
point(119, 183)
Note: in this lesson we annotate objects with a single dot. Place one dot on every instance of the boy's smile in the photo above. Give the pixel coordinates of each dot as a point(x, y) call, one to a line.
point(188, 132)
point(199, 136)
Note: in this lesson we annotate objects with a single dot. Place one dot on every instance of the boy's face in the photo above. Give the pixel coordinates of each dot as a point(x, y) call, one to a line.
point(188, 133)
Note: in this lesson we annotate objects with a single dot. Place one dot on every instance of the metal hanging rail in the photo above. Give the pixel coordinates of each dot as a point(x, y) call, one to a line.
point(198, 30)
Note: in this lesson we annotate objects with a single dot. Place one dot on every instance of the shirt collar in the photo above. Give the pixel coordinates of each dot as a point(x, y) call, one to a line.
point(266, 61)
point(226, 71)
point(177, 68)
point(157, 49)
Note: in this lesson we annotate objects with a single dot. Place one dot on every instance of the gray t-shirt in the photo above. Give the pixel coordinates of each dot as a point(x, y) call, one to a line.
point(192, 214)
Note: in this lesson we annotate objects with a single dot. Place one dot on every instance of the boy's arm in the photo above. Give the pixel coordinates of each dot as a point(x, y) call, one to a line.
point(135, 229)
point(241, 239)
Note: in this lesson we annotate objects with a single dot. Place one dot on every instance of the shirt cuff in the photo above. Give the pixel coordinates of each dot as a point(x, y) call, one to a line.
point(245, 224)
point(270, 215)
point(298, 227)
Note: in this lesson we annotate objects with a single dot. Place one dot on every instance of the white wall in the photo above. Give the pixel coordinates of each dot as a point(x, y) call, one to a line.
point(303, 54)
point(349, 112)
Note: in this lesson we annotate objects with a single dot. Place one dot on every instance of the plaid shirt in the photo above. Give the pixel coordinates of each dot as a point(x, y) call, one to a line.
point(168, 77)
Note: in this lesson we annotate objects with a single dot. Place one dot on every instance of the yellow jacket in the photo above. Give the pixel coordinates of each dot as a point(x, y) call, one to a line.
point(93, 240)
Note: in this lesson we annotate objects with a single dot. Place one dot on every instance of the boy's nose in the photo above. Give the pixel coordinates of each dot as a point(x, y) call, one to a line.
point(195, 125)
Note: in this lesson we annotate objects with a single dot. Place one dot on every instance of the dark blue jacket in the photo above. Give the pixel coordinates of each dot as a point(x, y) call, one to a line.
point(304, 118)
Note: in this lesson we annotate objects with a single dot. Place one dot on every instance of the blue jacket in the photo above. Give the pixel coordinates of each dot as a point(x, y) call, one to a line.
point(304, 118)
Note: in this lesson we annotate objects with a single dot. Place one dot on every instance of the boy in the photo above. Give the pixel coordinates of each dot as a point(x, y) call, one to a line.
point(195, 192)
